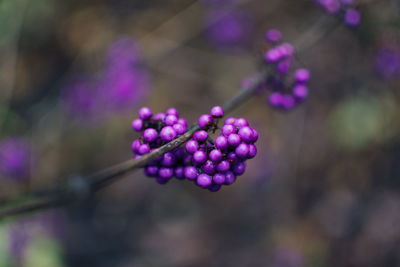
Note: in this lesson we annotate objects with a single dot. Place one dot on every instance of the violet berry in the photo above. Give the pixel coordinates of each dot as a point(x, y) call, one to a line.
point(205, 121)
point(168, 134)
point(217, 112)
point(145, 113)
point(204, 180)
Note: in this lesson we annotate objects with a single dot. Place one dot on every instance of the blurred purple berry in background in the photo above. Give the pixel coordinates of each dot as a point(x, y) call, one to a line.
point(14, 159)
point(387, 62)
point(352, 17)
point(122, 83)
point(228, 29)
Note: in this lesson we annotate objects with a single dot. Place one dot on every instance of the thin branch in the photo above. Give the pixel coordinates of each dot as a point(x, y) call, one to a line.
point(67, 194)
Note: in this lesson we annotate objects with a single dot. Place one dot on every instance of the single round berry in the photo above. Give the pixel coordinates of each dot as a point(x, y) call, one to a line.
point(172, 111)
point(286, 49)
point(151, 171)
point(352, 17)
point(234, 140)
point(275, 99)
point(191, 146)
point(150, 135)
point(179, 172)
point(255, 136)
point(283, 66)
point(135, 146)
point(208, 167)
point(300, 92)
point(145, 113)
point(241, 122)
point(143, 149)
point(159, 116)
point(179, 129)
point(170, 120)
point(288, 102)
point(239, 168)
point(167, 134)
point(200, 136)
point(223, 166)
point(242, 150)
point(272, 55)
point(221, 142)
point(215, 155)
point(137, 125)
point(183, 122)
point(217, 112)
point(166, 173)
point(273, 35)
point(302, 75)
point(204, 180)
point(252, 151)
point(230, 178)
point(232, 158)
point(205, 121)
point(246, 134)
point(230, 121)
point(199, 157)
point(214, 187)
point(168, 159)
point(228, 129)
point(190, 172)
point(219, 178)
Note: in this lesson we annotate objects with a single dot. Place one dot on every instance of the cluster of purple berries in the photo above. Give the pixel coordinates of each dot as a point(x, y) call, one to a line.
point(208, 163)
point(345, 8)
point(281, 58)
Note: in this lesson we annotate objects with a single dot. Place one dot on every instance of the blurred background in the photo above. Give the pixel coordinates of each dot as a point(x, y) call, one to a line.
point(322, 191)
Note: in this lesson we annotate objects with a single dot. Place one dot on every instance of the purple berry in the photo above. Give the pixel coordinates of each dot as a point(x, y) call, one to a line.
point(137, 125)
point(143, 149)
point(272, 55)
point(252, 151)
point(199, 157)
point(214, 187)
point(217, 112)
point(300, 92)
point(151, 171)
point(200, 136)
point(135, 146)
point(239, 168)
point(192, 146)
point(241, 122)
point(230, 178)
point(219, 178)
point(179, 173)
point(223, 166)
point(232, 158)
point(205, 121)
point(234, 140)
point(215, 155)
point(165, 173)
point(170, 120)
point(255, 136)
point(288, 102)
point(221, 142)
point(275, 99)
point(352, 17)
point(167, 134)
point(168, 159)
point(208, 167)
point(145, 113)
point(150, 135)
point(204, 180)
point(172, 111)
point(179, 129)
point(190, 172)
point(228, 129)
point(159, 117)
point(242, 150)
point(302, 75)
point(183, 122)
point(230, 121)
point(273, 35)
point(246, 134)
point(283, 66)
point(286, 49)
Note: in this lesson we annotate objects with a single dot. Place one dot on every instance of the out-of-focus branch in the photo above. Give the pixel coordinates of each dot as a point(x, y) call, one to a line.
point(68, 194)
